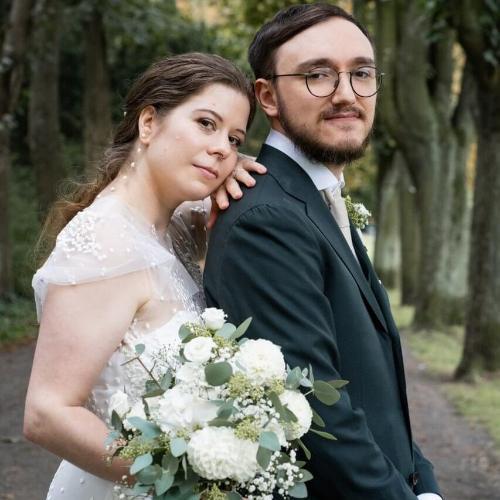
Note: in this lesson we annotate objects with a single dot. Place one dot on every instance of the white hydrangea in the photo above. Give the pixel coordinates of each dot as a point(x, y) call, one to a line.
point(216, 453)
point(199, 350)
point(177, 409)
point(261, 359)
point(191, 374)
point(119, 402)
point(298, 404)
point(214, 318)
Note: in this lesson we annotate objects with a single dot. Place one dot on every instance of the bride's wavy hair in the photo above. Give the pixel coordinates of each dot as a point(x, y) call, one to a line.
point(165, 85)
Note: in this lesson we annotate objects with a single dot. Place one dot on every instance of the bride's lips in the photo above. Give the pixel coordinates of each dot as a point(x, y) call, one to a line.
point(208, 172)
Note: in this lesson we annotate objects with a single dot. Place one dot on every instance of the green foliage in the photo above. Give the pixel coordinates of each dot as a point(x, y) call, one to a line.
point(17, 320)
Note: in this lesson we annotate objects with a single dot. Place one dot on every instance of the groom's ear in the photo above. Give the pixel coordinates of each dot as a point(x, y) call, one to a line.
point(266, 95)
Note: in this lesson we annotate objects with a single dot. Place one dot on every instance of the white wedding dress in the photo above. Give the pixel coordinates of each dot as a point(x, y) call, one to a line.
point(106, 240)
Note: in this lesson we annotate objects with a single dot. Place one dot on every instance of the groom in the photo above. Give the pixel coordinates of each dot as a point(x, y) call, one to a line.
point(286, 255)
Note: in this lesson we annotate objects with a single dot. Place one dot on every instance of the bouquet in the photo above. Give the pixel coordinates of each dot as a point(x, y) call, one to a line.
point(222, 418)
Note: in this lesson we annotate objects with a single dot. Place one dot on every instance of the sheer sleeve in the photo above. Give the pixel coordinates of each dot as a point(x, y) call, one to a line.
point(105, 241)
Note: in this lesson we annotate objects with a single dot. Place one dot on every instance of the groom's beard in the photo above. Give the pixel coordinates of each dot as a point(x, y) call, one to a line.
point(316, 150)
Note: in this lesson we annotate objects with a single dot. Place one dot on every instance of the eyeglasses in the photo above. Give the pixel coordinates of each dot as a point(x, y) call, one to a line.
point(323, 82)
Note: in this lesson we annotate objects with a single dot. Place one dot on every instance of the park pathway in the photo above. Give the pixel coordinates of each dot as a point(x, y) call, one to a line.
point(466, 468)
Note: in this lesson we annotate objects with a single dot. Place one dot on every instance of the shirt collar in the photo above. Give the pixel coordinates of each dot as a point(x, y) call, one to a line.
point(319, 173)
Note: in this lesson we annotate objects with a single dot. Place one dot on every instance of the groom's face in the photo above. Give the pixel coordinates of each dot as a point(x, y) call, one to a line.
point(333, 129)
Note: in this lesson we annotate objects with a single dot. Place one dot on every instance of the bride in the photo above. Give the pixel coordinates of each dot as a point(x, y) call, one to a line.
point(113, 277)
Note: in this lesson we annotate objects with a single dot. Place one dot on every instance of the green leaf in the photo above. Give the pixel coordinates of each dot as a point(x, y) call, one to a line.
point(141, 462)
point(305, 449)
point(323, 434)
point(305, 382)
point(116, 421)
point(317, 419)
point(325, 392)
point(298, 491)
point(311, 376)
point(140, 489)
point(233, 495)
point(306, 476)
point(338, 384)
point(184, 331)
point(226, 331)
point(152, 389)
point(112, 437)
point(300, 463)
point(166, 381)
point(288, 415)
point(218, 373)
point(293, 378)
point(149, 474)
point(264, 457)
point(221, 422)
point(270, 441)
point(139, 349)
point(164, 482)
point(178, 446)
point(187, 339)
point(226, 409)
point(241, 330)
point(148, 429)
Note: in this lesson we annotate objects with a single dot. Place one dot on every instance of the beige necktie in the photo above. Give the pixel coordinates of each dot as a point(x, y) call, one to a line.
point(339, 211)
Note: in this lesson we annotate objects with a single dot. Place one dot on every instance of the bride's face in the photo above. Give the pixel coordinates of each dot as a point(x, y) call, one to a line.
point(190, 151)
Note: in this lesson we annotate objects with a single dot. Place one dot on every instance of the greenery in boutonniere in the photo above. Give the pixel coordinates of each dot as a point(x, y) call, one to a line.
point(358, 213)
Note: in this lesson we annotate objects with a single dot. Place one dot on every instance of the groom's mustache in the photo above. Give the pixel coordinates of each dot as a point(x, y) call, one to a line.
point(338, 111)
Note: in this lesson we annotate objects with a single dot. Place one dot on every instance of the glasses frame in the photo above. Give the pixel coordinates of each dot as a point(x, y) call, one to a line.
point(379, 77)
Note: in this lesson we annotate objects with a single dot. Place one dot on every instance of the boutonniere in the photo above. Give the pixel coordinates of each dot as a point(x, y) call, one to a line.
point(357, 212)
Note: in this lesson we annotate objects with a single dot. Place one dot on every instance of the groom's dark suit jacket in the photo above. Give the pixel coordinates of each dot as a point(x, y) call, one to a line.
point(278, 255)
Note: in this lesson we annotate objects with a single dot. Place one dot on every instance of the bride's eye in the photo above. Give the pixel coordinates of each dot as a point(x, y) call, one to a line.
point(235, 141)
point(207, 123)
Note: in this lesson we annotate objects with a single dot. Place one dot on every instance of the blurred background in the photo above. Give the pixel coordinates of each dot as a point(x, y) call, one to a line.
point(431, 177)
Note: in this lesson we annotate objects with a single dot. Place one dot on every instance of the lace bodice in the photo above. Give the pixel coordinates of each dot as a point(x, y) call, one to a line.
point(106, 240)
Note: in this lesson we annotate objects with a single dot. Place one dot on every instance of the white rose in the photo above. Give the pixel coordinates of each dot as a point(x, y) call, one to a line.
point(136, 411)
point(216, 453)
point(119, 403)
point(261, 360)
point(177, 409)
point(199, 350)
point(298, 404)
point(190, 373)
point(214, 318)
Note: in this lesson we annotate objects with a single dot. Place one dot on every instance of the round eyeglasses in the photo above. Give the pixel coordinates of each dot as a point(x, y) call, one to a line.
point(323, 82)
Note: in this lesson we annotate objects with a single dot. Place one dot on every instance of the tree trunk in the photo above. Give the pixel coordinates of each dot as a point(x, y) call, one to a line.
point(410, 236)
point(97, 93)
point(12, 55)
point(387, 259)
point(44, 131)
point(482, 335)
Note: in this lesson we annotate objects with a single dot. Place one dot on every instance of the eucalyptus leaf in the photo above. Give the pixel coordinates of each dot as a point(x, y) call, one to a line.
point(233, 495)
point(187, 339)
point(317, 419)
point(112, 437)
point(226, 331)
point(324, 434)
point(116, 421)
point(141, 462)
point(140, 489)
point(338, 384)
point(178, 446)
point(218, 373)
point(139, 349)
point(298, 491)
point(226, 409)
point(164, 482)
point(264, 457)
point(166, 381)
point(270, 441)
point(241, 330)
point(184, 331)
point(293, 378)
point(149, 474)
point(288, 415)
point(325, 392)
point(305, 449)
point(221, 422)
point(152, 389)
point(311, 376)
point(305, 382)
point(148, 429)
point(306, 476)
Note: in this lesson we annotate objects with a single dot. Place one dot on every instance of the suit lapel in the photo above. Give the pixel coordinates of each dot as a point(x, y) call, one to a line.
point(297, 183)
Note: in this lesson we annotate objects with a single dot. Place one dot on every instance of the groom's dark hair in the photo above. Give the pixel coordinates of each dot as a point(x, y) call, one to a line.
point(287, 23)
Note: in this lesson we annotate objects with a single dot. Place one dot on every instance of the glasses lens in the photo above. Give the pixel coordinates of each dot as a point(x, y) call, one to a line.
point(322, 82)
point(365, 81)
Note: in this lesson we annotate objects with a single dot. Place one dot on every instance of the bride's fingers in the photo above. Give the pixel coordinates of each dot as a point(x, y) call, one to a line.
point(220, 196)
point(214, 213)
point(232, 186)
point(249, 164)
point(243, 177)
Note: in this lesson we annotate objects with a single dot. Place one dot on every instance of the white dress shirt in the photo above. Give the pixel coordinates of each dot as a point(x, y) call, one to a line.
point(322, 178)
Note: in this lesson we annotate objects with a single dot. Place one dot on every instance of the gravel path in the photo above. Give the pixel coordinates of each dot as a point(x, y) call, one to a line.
point(465, 465)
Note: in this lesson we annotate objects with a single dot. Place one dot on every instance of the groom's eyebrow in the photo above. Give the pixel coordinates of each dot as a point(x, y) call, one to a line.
point(219, 117)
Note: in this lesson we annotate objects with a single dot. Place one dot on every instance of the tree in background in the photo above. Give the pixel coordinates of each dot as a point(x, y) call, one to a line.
point(13, 50)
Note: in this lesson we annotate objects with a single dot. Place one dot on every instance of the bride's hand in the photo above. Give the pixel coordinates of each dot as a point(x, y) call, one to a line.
point(231, 186)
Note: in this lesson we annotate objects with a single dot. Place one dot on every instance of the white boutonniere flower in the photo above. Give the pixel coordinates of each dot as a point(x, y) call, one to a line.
point(357, 212)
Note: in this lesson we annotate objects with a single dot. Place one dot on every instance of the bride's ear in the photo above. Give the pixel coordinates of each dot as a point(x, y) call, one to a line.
point(146, 124)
